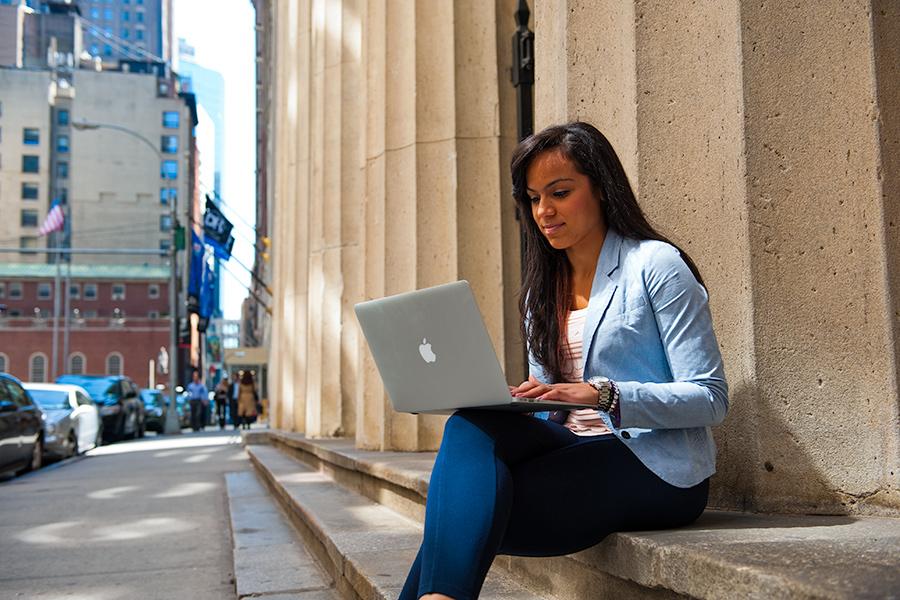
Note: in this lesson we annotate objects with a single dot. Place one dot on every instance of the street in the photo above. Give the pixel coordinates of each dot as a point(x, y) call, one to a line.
point(139, 519)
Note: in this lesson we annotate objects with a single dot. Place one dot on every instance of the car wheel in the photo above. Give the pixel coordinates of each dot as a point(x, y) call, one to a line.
point(99, 439)
point(37, 455)
point(142, 429)
point(73, 444)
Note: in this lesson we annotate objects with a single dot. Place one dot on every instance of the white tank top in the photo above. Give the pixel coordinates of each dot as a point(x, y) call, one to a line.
point(581, 421)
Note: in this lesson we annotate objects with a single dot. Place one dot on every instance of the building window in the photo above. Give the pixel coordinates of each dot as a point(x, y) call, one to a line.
point(89, 314)
point(126, 16)
point(90, 291)
point(30, 191)
point(107, 14)
point(74, 291)
point(165, 222)
point(170, 119)
point(114, 363)
point(4, 361)
point(125, 33)
point(2, 294)
point(95, 12)
point(31, 163)
point(169, 169)
point(29, 217)
point(107, 50)
point(169, 144)
point(15, 290)
point(26, 243)
point(139, 34)
point(164, 196)
point(153, 290)
point(37, 367)
point(76, 363)
point(118, 291)
point(31, 136)
point(62, 117)
point(95, 50)
point(165, 244)
point(153, 314)
point(43, 291)
point(62, 143)
point(62, 169)
point(139, 17)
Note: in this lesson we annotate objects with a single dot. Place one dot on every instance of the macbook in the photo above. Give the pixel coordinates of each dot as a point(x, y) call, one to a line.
point(434, 354)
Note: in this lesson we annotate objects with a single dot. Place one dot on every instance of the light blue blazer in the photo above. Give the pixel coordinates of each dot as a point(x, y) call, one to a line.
point(648, 328)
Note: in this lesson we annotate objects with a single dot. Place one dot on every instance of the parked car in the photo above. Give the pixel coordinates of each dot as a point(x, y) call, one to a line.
point(184, 409)
point(71, 418)
point(155, 408)
point(117, 398)
point(21, 428)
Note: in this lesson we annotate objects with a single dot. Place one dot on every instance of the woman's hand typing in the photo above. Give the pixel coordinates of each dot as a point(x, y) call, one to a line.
point(577, 393)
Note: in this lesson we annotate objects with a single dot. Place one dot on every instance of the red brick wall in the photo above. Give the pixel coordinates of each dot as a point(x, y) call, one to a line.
point(138, 341)
point(136, 303)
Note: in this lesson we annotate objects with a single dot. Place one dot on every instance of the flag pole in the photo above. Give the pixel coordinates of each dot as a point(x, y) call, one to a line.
point(54, 361)
point(67, 242)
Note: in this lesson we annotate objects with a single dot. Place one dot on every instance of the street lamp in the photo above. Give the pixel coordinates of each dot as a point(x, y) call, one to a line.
point(172, 422)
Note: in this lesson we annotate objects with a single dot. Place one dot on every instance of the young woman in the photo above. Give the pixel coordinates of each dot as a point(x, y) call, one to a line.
point(613, 314)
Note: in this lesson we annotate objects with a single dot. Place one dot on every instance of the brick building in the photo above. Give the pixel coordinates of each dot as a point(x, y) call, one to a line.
point(118, 320)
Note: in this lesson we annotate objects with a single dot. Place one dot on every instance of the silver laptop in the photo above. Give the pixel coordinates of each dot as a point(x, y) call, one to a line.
point(435, 356)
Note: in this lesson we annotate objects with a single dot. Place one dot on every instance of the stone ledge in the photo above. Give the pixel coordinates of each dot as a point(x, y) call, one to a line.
point(722, 555)
point(260, 531)
point(366, 547)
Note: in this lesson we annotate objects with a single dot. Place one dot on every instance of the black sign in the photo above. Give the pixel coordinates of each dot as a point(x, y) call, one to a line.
point(216, 227)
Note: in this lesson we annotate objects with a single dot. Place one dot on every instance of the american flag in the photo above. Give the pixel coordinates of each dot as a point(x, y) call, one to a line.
point(55, 220)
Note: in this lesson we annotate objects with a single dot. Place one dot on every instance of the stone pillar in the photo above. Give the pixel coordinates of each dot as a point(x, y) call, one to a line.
point(824, 322)
point(751, 132)
point(432, 193)
point(334, 136)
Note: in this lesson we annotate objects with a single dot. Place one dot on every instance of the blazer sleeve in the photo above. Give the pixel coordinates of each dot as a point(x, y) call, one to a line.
point(697, 396)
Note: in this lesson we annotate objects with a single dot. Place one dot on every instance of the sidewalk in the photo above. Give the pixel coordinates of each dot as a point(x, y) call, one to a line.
point(140, 519)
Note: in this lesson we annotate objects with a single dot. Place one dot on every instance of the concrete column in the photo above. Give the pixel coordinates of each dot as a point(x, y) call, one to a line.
point(432, 204)
point(282, 367)
point(329, 411)
point(824, 319)
point(752, 134)
point(513, 348)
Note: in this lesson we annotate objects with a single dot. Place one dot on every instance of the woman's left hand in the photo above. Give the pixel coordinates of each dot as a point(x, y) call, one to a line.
point(576, 393)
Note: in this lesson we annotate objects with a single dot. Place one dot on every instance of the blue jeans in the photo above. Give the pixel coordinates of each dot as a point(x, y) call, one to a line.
point(506, 483)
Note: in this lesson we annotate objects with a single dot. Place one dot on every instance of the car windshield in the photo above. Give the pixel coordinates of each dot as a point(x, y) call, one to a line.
point(101, 389)
point(51, 399)
point(151, 398)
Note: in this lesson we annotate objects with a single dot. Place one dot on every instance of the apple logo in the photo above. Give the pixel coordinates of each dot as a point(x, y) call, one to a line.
point(425, 350)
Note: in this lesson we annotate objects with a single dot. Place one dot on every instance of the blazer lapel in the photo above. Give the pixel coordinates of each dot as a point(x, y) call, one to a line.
point(601, 290)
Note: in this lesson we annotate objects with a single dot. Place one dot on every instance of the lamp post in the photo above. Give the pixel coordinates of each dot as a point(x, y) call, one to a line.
point(172, 425)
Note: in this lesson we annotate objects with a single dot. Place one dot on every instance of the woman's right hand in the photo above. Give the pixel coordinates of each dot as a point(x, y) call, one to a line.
point(532, 388)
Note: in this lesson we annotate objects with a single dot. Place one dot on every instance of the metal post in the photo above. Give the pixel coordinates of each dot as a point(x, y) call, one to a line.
point(172, 422)
point(67, 303)
point(53, 361)
point(523, 71)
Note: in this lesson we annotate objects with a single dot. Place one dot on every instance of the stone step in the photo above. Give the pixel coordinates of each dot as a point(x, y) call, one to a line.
point(269, 560)
point(366, 547)
point(723, 555)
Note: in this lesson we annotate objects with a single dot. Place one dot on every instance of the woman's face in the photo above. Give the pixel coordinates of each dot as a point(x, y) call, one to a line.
point(563, 203)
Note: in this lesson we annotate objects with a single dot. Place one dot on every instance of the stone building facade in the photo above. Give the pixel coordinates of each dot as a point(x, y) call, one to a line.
point(762, 137)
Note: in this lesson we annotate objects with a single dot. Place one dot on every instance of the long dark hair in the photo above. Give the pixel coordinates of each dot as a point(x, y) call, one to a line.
point(546, 288)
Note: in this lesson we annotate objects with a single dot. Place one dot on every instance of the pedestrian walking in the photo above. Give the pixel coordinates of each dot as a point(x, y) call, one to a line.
point(233, 394)
point(247, 400)
point(198, 395)
point(614, 315)
point(221, 399)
